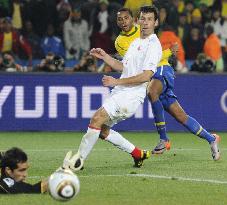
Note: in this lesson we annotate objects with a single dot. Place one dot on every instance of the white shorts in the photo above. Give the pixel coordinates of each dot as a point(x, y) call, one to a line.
point(121, 106)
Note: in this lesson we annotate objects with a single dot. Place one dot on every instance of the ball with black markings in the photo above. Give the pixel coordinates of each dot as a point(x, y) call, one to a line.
point(63, 185)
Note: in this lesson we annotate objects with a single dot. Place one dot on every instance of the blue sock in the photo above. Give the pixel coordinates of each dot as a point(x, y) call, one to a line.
point(159, 118)
point(194, 127)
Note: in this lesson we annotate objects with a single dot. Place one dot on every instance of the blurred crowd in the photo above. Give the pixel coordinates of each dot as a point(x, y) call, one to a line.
point(47, 34)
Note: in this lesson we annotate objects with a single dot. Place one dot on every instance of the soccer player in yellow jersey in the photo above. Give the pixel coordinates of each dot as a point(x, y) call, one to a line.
point(129, 31)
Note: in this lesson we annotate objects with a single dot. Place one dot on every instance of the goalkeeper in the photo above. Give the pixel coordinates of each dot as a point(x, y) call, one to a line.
point(14, 170)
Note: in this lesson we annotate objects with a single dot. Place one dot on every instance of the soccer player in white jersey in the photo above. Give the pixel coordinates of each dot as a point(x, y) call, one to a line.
point(138, 66)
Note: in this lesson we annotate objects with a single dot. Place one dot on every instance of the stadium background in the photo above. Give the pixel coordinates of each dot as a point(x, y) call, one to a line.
point(41, 27)
point(35, 98)
point(60, 102)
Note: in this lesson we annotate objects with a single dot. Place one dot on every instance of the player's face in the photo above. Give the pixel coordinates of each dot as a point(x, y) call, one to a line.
point(147, 24)
point(20, 173)
point(124, 21)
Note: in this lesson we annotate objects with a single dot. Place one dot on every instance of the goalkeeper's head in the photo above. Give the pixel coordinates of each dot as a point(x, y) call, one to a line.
point(13, 164)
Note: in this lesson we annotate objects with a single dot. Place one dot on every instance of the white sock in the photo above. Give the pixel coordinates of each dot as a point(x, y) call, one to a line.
point(120, 142)
point(88, 141)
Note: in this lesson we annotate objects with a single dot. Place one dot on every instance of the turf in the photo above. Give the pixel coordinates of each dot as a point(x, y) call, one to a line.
point(179, 176)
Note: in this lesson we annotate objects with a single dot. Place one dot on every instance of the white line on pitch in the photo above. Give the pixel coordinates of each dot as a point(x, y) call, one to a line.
point(213, 181)
point(176, 178)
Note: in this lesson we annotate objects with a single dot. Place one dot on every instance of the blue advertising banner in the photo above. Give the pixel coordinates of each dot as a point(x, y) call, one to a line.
point(57, 102)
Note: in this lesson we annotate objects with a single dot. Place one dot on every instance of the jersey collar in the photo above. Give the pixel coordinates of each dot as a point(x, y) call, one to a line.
point(131, 32)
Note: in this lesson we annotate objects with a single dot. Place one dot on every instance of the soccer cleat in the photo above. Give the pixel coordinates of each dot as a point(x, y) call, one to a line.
point(161, 147)
point(138, 162)
point(214, 147)
point(73, 162)
point(79, 165)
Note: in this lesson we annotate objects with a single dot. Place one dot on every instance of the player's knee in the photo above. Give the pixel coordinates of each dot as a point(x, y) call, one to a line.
point(153, 96)
point(96, 121)
point(99, 118)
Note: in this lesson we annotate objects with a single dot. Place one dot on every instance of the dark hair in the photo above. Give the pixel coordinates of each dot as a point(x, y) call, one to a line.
point(209, 29)
point(149, 9)
point(7, 19)
point(127, 10)
point(189, 2)
point(167, 27)
point(11, 158)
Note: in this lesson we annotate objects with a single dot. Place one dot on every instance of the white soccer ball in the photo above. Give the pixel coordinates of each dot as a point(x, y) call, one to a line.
point(63, 185)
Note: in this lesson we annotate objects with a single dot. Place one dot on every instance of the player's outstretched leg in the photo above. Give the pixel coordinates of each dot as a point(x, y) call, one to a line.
point(213, 139)
point(75, 162)
point(195, 128)
point(120, 142)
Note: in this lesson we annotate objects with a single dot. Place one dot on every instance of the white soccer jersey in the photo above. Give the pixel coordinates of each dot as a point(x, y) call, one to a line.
point(143, 54)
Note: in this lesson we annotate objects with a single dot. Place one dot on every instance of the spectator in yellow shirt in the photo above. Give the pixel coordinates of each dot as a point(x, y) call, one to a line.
point(134, 5)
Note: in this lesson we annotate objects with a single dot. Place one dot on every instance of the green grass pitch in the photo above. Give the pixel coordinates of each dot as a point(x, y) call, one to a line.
point(184, 175)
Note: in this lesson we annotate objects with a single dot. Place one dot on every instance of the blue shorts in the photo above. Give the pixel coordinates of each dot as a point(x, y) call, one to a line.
point(166, 75)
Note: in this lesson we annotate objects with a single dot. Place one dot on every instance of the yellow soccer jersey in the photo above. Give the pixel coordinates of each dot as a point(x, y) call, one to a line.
point(124, 39)
point(165, 57)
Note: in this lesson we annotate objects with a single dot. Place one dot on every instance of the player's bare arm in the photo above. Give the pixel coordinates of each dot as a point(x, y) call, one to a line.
point(101, 54)
point(134, 80)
